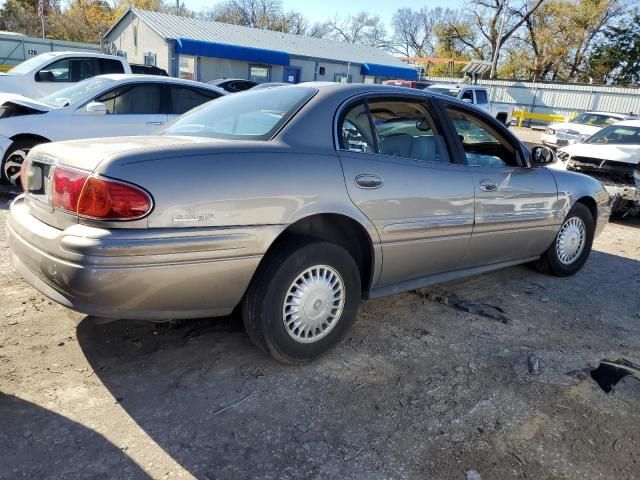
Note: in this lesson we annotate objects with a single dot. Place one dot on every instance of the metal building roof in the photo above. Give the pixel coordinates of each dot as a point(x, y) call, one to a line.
point(173, 27)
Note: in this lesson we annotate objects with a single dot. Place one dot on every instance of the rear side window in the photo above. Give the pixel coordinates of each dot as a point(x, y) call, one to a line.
point(392, 127)
point(184, 99)
point(481, 96)
point(355, 130)
point(110, 66)
point(136, 99)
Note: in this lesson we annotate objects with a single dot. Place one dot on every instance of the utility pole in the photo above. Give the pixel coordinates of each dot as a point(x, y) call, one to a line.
point(177, 7)
point(496, 50)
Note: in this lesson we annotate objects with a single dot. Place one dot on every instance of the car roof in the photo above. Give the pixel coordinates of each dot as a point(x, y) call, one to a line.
point(138, 77)
point(80, 54)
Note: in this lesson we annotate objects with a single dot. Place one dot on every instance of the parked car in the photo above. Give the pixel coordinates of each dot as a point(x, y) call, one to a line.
point(473, 94)
point(294, 203)
point(148, 70)
point(233, 85)
point(612, 156)
point(580, 128)
point(407, 83)
point(104, 106)
point(49, 72)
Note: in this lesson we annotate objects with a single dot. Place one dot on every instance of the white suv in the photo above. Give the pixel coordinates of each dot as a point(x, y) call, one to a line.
point(50, 72)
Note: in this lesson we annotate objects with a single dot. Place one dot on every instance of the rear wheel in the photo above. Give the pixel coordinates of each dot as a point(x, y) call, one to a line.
point(572, 245)
point(303, 300)
point(13, 160)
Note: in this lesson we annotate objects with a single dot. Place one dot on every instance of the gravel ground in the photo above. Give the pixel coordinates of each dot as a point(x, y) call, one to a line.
point(419, 390)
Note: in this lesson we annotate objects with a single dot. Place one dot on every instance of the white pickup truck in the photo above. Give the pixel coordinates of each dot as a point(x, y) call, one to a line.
point(49, 72)
point(474, 94)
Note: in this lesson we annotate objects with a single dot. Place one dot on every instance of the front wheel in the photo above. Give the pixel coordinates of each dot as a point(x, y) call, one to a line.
point(303, 300)
point(572, 245)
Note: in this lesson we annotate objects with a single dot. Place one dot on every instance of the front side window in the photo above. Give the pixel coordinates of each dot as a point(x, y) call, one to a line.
point(184, 99)
point(133, 100)
point(483, 146)
point(254, 115)
point(616, 135)
point(467, 95)
point(59, 71)
point(259, 73)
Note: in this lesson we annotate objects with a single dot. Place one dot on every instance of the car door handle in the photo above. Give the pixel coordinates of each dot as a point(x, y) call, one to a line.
point(155, 123)
point(369, 181)
point(488, 185)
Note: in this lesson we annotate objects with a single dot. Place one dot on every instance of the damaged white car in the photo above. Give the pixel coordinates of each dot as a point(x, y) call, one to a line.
point(103, 106)
point(580, 128)
point(612, 156)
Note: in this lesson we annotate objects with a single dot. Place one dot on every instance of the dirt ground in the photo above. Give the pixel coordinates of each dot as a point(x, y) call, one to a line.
point(419, 390)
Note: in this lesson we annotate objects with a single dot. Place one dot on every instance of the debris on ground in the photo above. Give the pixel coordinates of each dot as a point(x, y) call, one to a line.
point(464, 305)
point(534, 365)
point(610, 373)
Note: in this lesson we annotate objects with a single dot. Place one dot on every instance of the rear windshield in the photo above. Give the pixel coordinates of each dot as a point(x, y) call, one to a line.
point(251, 115)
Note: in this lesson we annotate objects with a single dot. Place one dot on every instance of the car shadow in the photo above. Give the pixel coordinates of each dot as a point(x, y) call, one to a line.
point(627, 221)
point(37, 443)
point(222, 409)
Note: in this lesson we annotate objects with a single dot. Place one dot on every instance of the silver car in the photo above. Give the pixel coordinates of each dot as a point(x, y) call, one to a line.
point(293, 204)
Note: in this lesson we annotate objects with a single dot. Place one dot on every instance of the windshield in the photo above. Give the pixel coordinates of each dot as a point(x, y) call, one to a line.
point(452, 92)
point(616, 135)
point(595, 119)
point(28, 65)
point(77, 92)
point(251, 115)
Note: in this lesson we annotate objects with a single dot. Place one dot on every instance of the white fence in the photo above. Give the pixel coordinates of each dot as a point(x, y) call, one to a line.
point(558, 99)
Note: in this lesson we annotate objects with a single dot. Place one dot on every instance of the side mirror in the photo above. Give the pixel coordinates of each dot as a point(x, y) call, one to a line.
point(45, 76)
point(468, 100)
point(542, 155)
point(96, 108)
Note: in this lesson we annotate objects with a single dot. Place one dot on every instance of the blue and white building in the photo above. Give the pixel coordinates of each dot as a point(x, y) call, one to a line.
point(206, 50)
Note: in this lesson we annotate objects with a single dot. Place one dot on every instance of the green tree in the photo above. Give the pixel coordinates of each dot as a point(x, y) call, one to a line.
point(617, 59)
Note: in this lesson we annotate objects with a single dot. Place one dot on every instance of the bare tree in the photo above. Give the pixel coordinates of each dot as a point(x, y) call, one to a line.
point(489, 15)
point(413, 32)
point(250, 13)
point(362, 29)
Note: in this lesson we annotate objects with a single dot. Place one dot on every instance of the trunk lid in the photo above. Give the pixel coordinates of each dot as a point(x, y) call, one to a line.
point(88, 155)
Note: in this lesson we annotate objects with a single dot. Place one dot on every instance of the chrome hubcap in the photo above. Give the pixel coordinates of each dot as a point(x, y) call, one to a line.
point(571, 240)
point(313, 304)
point(12, 166)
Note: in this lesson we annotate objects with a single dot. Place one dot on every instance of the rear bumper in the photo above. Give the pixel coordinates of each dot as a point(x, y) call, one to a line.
point(150, 274)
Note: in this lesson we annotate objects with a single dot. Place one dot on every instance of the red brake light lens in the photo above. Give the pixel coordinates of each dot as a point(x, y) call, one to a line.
point(100, 198)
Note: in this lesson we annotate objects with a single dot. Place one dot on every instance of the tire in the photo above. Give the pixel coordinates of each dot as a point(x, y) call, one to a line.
point(17, 152)
point(265, 309)
point(552, 262)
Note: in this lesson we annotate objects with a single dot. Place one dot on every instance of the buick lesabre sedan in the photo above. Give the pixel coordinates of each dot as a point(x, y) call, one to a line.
point(293, 204)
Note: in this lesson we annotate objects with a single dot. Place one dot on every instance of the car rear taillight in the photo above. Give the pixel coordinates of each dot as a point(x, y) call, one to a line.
point(100, 198)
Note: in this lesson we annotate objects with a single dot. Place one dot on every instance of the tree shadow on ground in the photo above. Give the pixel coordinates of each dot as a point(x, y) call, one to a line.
point(37, 443)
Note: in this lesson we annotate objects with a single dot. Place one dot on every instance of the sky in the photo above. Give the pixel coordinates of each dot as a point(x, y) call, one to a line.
point(320, 10)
